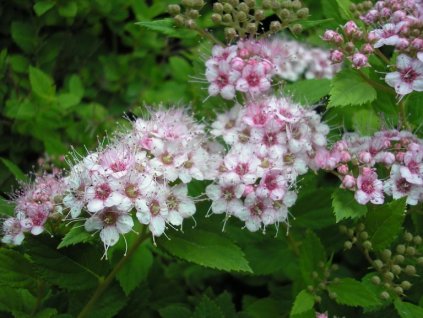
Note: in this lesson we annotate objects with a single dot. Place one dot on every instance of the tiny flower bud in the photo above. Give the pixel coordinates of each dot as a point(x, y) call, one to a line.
point(336, 56)
point(384, 295)
point(348, 245)
point(367, 245)
point(364, 235)
point(406, 284)
point(410, 250)
point(218, 7)
point(348, 182)
point(376, 280)
point(386, 254)
point(359, 60)
point(360, 227)
point(420, 261)
point(343, 229)
point(227, 18)
point(179, 20)
point(297, 28)
point(284, 13)
point(174, 9)
point(275, 26)
point(302, 13)
point(251, 28)
point(378, 264)
point(399, 258)
point(400, 249)
point(350, 28)
point(332, 295)
point(227, 8)
point(389, 276)
point(399, 290)
point(410, 270)
point(367, 48)
point(216, 18)
point(343, 169)
point(259, 15)
point(396, 269)
point(417, 240)
point(230, 33)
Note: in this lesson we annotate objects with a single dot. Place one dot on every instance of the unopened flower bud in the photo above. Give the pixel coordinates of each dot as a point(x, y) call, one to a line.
point(218, 7)
point(179, 20)
point(267, 4)
point(359, 60)
point(174, 9)
point(302, 13)
point(227, 8)
point(343, 169)
point(216, 18)
point(417, 240)
point(284, 13)
point(400, 249)
point(410, 270)
point(259, 15)
point(406, 285)
point(230, 33)
point(410, 250)
point(348, 245)
point(336, 56)
point(420, 261)
point(243, 7)
point(193, 14)
point(399, 258)
point(250, 3)
point(227, 18)
point(367, 244)
point(251, 28)
point(378, 264)
point(275, 26)
point(384, 295)
point(367, 48)
point(350, 28)
point(348, 182)
point(396, 269)
point(297, 28)
point(376, 280)
point(399, 290)
point(343, 229)
point(388, 276)
point(241, 16)
point(332, 295)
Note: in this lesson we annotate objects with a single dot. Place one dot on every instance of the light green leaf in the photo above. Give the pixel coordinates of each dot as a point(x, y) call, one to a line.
point(135, 269)
point(383, 223)
point(303, 302)
point(43, 6)
point(68, 100)
point(349, 88)
point(345, 206)
point(76, 87)
point(24, 35)
point(6, 207)
point(408, 310)
point(41, 84)
point(76, 235)
point(166, 27)
point(353, 293)
point(19, 63)
point(207, 308)
point(344, 9)
point(366, 122)
point(308, 92)
point(207, 249)
point(180, 68)
point(14, 169)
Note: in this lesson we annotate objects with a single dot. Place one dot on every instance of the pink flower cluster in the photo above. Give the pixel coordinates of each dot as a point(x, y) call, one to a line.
point(249, 66)
point(35, 204)
point(395, 154)
point(399, 23)
point(272, 142)
point(145, 171)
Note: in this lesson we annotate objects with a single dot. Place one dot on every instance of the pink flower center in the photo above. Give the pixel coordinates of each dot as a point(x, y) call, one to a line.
point(269, 139)
point(228, 193)
point(109, 217)
point(118, 166)
point(403, 186)
point(241, 168)
point(131, 191)
point(253, 79)
point(103, 191)
point(154, 207)
point(222, 80)
point(259, 119)
point(172, 202)
point(414, 167)
point(257, 209)
point(270, 182)
point(408, 75)
point(367, 186)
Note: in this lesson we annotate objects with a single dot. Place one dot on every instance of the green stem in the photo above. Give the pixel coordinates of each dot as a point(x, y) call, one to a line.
point(403, 116)
point(208, 35)
point(382, 56)
point(109, 279)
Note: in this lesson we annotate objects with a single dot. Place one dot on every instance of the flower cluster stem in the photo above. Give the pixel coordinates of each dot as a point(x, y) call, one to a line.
point(109, 279)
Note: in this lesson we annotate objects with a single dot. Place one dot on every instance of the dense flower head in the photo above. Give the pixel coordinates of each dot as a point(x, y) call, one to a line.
point(145, 171)
point(397, 154)
point(35, 204)
point(250, 65)
point(272, 141)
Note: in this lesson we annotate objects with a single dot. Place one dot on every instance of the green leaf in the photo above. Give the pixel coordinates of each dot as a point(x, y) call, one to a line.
point(41, 84)
point(14, 169)
point(15, 269)
point(349, 88)
point(59, 269)
point(408, 310)
point(264, 308)
point(166, 27)
point(24, 35)
point(16, 301)
point(180, 68)
point(383, 223)
point(353, 293)
point(68, 100)
point(68, 9)
point(76, 87)
point(19, 63)
point(135, 269)
point(308, 92)
point(43, 6)
point(6, 208)
point(307, 24)
point(344, 10)
point(207, 308)
point(46, 313)
point(303, 302)
point(175, 311)
point(366, 122)
point(206, 249)
point(345, 206)
point(414, 108)
point(109, 304)
point(312, 253)
point(224, 301)
point(75, 236)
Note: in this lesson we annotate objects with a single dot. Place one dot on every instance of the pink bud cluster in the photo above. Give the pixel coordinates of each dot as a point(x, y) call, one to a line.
point(36, 203)
point(348, 45)
point(249, 66)
point(272, 141)
point(361, 163)
point(145, 171)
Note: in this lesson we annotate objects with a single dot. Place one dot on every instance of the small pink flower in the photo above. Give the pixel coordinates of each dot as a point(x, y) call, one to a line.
point(348, 182)
point(153, 211)
point(369, 188)
point(226, 198)
point(13, 231)
point(408, 77)
point(412, 170)
point(222, 80)
point(388, 35)
point(254, 80)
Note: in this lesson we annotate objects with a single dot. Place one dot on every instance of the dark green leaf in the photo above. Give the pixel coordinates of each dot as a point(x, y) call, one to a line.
point(175, 311)
point(207, 308)
point(15, 269)
point(43, 6)
point(14, 169)
point(384, 222)
point(345, 206)
point(41, 84)
point(16, 301)
point(312, 253)
point(308, 92)
point(24, 35)
point(353, 293)
point(69, 9)
point(206, 249)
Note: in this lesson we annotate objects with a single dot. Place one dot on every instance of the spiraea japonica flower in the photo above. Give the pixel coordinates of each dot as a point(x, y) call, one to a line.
point(408, 77)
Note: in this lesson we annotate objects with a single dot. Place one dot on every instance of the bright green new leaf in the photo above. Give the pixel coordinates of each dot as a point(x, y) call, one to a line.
point(76, 87)
point(75, 236)
point(206, 249)
point(303, 302)
point(349, 88)
point(351, 292)
point(408, 310)
point(345, 206)
point(68, 9)
point(41, 84)
point(67, 100)
point(308, 92)
point(383, 223)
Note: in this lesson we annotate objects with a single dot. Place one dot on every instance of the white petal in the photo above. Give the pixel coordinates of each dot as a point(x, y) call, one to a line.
point(124, 224)
point(175, 218)
point(109, 235)
point(95, 205)
point(93, 223)
point(157, 226)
